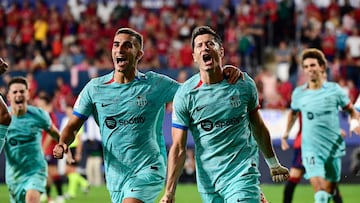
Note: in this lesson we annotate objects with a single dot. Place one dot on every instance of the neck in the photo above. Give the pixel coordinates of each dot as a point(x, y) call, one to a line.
point(124, 77)
point(211, 76)
point(19, 112)
point(315, 84)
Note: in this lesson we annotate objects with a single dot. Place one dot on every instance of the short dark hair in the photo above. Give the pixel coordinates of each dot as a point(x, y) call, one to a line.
point(201, 30)
point(18, 80)
point(315, 54)
point(133, 33)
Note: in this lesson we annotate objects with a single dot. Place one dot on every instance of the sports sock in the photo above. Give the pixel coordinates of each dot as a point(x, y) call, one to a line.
point(72, 184)
point(322, 197)
point(58, 182)
point(289, 190)
point(337, 196)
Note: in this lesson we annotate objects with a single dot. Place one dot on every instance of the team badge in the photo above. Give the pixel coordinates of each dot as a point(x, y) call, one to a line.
point(141, 100)
point(235, 101)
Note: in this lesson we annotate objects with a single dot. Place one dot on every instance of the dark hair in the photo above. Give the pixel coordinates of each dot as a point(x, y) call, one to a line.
point(315, 54)
point(202, 30)
point(133, 33)
point(45, 97)
point(18, 80)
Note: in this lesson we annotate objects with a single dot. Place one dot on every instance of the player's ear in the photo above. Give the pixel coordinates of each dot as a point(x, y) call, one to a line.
point(140, 54)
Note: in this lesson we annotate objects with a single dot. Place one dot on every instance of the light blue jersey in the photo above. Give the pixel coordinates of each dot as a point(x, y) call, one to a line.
point(218, 117)
point(320, 118)
point(130, 121)
point(26, 167)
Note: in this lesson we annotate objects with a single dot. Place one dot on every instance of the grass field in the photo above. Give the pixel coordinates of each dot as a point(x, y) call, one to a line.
point(189, 194)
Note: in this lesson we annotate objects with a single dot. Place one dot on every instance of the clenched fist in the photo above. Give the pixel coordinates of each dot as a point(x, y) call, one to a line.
point(279, 173)
point(59, 150)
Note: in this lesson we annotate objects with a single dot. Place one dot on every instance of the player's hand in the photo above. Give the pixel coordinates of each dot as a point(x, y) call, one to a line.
point(284, 144)
point(232, 73)
point(354, 126)
point(279, 174)
point(168, 197)
point(59, 150)
point(3, 66)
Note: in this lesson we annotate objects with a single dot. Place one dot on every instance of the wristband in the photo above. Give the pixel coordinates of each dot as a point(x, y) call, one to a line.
point(354, 123)
point(272, 162)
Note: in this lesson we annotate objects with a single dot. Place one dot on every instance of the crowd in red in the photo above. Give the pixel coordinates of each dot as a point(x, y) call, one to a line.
point(263, 37)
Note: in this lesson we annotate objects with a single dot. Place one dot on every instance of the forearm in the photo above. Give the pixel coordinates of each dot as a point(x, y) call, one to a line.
point(290, 123)
point(176, 160)
point(263, 139)
point(67, 136)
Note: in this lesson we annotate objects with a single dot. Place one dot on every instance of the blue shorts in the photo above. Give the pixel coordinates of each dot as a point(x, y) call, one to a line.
point(144, 187)
point(51, 160)
point(245, 190)
point(296, 161)
point(32, 182)
point(315, 165)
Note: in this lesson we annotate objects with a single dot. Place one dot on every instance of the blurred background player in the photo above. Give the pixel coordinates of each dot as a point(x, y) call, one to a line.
point(76, 181)
point(26, 168)
point(297, 169)
point(322, 144)
point(43, 101)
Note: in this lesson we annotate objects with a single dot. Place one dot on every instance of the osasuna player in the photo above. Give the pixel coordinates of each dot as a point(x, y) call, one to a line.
point(5, 117)
point(128, 106)
point(26, 168)
point(322, 144)
point(227, 130)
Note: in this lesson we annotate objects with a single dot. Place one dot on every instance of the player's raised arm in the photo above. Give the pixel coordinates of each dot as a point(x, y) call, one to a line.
point(278, 172)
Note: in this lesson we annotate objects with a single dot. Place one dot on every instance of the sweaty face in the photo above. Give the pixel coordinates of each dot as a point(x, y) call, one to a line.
point(312, 69)
point(125, 52)
point(207, 53)
point(18, 96)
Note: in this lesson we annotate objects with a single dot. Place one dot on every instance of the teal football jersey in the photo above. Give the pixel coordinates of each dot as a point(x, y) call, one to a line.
point(320, 118)
point(218, 117)
point(23, 151)
point(130, 120)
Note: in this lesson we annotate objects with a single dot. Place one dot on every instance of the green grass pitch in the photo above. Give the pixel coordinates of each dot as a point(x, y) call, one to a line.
point(188, 194)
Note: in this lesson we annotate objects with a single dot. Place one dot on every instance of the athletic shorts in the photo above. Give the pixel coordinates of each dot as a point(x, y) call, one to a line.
point(296, 161)
point(51, 160)
point(317, 166)
point(32, 182)
point(246, 190)
point(144, 187)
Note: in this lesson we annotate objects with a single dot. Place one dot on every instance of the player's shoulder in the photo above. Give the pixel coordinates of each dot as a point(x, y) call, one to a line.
point(192, 83)
point(101, 80)
point(332, 85)
point(33, 110)
point(299, 89)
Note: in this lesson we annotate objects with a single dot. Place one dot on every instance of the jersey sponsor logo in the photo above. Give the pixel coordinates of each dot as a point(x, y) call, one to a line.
point(111, 123)
point(132, 121)
point(141, 100)
point(311, 115)
point(208, 125)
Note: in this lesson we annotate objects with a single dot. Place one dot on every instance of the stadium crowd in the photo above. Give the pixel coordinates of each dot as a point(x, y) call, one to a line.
point(264, 38)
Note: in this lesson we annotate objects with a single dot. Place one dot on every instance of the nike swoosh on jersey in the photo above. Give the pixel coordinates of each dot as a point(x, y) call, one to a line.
point(199, 108)
point(103, 105)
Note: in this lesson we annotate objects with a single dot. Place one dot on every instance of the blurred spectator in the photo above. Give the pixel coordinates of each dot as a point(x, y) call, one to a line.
point(282, 58)
point(104, 10)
